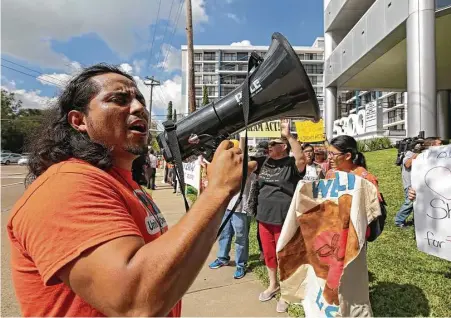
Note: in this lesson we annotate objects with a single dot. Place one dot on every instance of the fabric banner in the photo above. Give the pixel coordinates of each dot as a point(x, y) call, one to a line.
point(321, 249)
point(308, 131)
point(192, 172)
point(431, 179)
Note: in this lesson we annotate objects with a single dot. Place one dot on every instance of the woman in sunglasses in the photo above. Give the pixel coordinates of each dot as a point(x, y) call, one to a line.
point(277, 180)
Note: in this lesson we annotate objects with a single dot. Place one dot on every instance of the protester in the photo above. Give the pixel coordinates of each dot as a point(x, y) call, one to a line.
point(238, 225)
point(344, 156)
point(278, 178)
point(410, 193)
point(152, 170)
point(313, 171)
point(86, 240)
point(321, 159)
point(260, 156)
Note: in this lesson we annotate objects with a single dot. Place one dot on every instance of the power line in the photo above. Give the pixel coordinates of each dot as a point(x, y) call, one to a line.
point(30, 69)
point(154, 31)
point(166, 29)
point(173, 31)
point(31, 75)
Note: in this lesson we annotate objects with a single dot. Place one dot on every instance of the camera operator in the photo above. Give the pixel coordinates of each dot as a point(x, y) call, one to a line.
point(86, 239)
point(407, 206)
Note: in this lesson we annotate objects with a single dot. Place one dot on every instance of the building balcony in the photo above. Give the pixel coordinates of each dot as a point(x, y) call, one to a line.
point(342, 15)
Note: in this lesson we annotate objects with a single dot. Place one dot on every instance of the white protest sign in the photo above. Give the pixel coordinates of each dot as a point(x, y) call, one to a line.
point(431, 179)
point(192, 172)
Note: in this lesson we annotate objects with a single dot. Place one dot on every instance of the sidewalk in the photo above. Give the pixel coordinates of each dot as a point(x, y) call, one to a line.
point(215, 293)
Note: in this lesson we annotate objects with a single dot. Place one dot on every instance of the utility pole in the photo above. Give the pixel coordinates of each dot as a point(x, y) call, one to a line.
point(189, 34)
point(151, 82)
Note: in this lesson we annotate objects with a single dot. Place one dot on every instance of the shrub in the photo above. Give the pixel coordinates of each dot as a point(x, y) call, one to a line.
point(374, 144)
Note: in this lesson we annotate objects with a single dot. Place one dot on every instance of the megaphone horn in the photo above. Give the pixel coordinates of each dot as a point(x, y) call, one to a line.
point(279, 87)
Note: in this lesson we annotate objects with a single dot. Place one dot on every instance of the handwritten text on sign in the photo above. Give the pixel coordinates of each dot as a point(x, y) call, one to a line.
point(431, 179)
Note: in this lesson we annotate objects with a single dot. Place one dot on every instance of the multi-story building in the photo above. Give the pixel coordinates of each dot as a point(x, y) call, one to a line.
point(391, 59)
point(222, 68)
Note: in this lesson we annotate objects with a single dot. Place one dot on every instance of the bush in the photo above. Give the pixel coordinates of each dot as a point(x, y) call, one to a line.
point(374, 144)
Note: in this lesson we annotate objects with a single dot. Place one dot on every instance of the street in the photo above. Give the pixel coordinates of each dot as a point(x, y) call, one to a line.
point(12, 188)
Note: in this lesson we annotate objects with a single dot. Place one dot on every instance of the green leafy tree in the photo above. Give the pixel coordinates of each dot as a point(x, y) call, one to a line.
point(205, 100)
point(18, 124)
point(169, 112)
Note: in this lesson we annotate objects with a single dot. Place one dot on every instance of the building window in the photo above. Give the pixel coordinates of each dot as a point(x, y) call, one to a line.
point(232, 79)
point(228, 67)
point(391, 101)
point(197, 67)
point(209, 67)
point(313, 80)
point(313, 69)
point(242, 67)
point(209, 56)
point(198, 56)
point(198, 79)
point(228, 57)
point(301, 56)
point(198, 91)
point(210, 79)
point(242, 56)
point(198, 102)
point(211, 90)
point(226, 90)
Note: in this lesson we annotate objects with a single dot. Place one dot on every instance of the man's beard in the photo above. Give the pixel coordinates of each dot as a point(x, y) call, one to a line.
point(137, 150)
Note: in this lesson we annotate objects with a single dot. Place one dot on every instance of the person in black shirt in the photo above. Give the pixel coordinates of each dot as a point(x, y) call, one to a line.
point(278, 178)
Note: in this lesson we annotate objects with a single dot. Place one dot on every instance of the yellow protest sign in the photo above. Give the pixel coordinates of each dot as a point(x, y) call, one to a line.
point(309, 131)
point(270, 129)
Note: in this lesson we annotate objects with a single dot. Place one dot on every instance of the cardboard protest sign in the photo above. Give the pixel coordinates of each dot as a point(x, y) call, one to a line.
point(321, 250)
point(431, 179)
point(308, 131)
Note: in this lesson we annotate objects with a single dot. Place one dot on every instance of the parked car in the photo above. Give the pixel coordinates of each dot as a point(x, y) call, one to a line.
point(23, 161)
point(8, 158)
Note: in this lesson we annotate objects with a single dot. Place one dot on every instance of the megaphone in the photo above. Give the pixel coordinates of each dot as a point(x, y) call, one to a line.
point(279, 87)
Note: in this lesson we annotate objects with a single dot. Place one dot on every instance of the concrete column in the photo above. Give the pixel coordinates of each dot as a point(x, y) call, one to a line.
point(443, 106)
point(330, 93)
point(421, 66)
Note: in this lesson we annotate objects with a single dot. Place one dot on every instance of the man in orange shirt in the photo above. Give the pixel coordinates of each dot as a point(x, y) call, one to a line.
point(86, 240)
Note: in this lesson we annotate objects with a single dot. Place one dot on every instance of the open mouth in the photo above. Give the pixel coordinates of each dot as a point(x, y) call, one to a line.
point(139, 127)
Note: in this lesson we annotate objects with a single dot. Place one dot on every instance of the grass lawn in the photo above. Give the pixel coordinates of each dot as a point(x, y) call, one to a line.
point(403, 281)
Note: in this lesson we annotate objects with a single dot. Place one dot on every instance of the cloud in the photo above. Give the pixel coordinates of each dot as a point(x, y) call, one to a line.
point(173, 61)
point(234, 17)
point(55, 79)
point(138, 65)
point(29, 28)
point(127, 68)
point(30, 99)
point(242, 43)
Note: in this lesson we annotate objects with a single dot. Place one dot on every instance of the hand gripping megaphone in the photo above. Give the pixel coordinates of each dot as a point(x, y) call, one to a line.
point(278, 87)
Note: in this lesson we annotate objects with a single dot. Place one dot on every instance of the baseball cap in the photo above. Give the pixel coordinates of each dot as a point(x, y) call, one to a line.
point(278, 141)
point(262, 145)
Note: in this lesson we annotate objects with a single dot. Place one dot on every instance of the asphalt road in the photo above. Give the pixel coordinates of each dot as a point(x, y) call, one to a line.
point(12, 186)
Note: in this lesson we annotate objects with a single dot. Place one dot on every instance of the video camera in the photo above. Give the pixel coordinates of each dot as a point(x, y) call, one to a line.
point(414, 144)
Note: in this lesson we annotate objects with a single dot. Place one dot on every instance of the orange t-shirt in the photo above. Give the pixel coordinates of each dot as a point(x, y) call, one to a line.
point(70, 208)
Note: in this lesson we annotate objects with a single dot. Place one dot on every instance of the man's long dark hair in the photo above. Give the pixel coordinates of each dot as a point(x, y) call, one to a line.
point(56, 140)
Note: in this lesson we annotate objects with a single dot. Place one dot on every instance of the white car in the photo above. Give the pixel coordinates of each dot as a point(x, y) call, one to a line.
point(23, 161)
point(8, 158)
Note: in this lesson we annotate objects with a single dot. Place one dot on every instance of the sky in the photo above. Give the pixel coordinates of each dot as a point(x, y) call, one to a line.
point(48, 41)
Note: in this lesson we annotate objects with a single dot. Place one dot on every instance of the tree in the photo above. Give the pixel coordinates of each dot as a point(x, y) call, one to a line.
point(169, 112)
point(17, 124)
point(205, 100)
point(174, 117)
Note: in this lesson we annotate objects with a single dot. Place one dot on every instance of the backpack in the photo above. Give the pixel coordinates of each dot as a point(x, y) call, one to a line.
point(377, 225)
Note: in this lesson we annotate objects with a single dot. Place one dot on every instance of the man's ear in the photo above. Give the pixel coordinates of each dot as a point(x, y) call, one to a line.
point(77, 120)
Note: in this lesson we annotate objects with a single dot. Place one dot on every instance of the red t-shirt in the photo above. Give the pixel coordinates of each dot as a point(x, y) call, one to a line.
point(70, 208)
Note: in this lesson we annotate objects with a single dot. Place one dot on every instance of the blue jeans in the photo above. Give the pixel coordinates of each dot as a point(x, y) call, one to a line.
point(405, 210)
point(238, 225)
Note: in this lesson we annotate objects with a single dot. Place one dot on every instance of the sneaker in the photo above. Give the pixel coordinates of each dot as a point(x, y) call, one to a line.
point(217, 263)
point(239, 273)
point(402, 226)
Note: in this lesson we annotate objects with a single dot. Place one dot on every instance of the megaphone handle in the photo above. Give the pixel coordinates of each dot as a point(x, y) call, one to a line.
point(246, 102)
